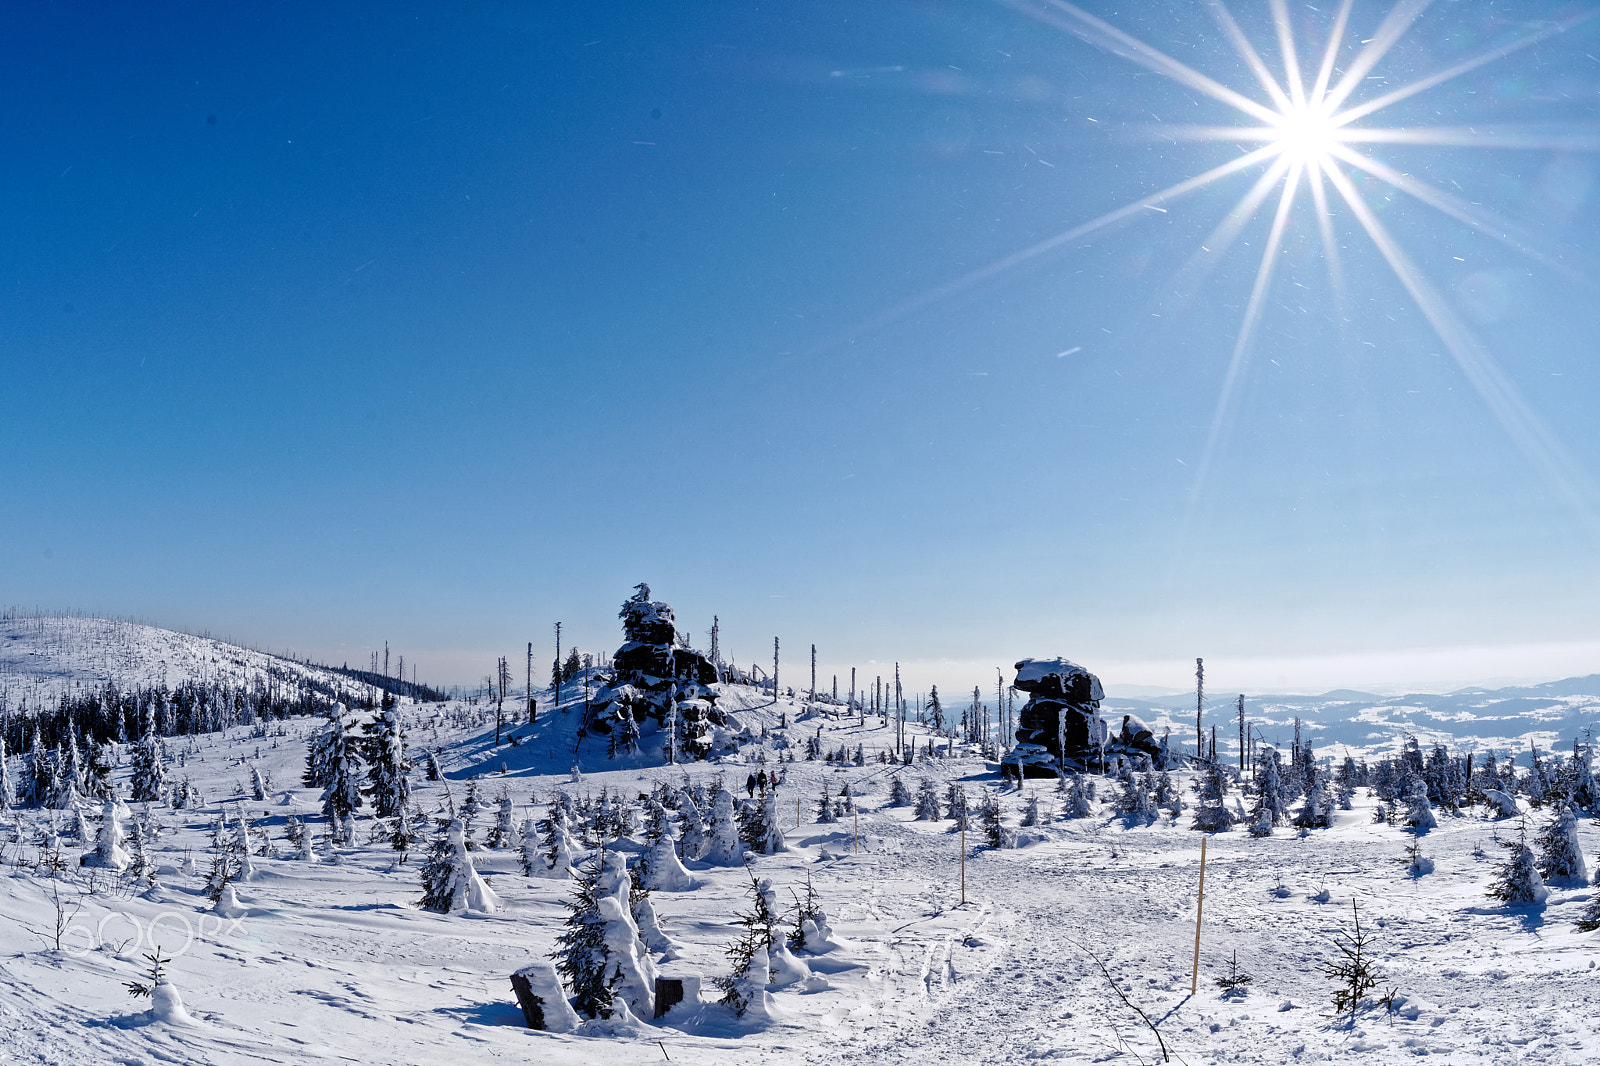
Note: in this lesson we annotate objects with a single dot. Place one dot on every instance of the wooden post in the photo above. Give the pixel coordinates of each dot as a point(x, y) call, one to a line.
point(1199, 908)
point(855, 841)
point(963, 854)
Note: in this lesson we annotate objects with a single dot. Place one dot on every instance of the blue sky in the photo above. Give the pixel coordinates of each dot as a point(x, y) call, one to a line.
point(326, 325)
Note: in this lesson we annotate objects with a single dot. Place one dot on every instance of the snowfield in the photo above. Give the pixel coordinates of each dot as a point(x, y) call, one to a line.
point(334, 959)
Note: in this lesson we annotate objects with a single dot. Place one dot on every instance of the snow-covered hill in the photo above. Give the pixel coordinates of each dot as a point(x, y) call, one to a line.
point(42, 656)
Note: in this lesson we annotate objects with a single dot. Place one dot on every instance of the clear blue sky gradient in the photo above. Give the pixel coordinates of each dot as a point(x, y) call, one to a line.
point(322, 325)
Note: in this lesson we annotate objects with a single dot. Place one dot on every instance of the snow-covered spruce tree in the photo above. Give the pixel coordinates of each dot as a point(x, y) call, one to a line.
point(955, 799)
point(450, 884)
point(109, 853)
point(630, 972)
point(502, 834)
point(1030, 811)
point(722, 843)
point(657, 823)
point(342, 794)
point(388, 769)
point(1344, 783)
point(846, 803)
point(471, 808)
point(753, 825)
point(1260, 817)
point(258, 786)
point(403, 833)
point(433, 772)
point(1585, 790)
point(1414, 796)
point(825, 808)
point(1134, 801)
point(1211, 814)
point(1517, 882)
point(664, 871)
point(928, 809)
point(1077, 803)
point(98, 778)
point(1271, 793)
point(1590, 920)
point(8, 791)
point(989, 813)
point(319, 750)
point(1314, 809)
point(694, 839)
point(899, 794)
point(745, 988)
point(148, 781)
point(581, 955)
point(1560, 858)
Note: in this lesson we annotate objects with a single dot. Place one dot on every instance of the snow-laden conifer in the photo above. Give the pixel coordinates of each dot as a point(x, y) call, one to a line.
point(8, 790)
point(899, 794)
point(1030, 811)
point(759, 828)
point(450, 883)
point(631, 973)
point(1211, 814)
point(664, 871)
point(502, 834)
point(825, 808)
point(581, 955)
point(1418, 811)
point(745, 989)
point(1134, 801)
point(320, 748)
point(388, 774)
point(723, 847)
point(955, 799)
point(109, 853)
point(1077, 801)
point(694, 839)
point(1314, 810)
point(1517, 882)
point(989, 815)
point(148, 780)
point(342, 794)
point(1271, 793)
point(1560, 858)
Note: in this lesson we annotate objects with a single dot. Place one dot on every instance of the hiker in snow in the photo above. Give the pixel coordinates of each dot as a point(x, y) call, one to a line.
point(750, 785)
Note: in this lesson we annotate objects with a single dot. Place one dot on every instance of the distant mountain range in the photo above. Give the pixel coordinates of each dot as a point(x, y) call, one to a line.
point(1551, 714)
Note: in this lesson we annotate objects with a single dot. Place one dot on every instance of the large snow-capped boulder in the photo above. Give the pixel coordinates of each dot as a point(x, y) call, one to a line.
point(1060, 679)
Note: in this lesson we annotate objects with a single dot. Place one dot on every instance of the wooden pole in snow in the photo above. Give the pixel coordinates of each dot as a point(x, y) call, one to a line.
point(963, 854)
point(1199, 908)
point(855, 840)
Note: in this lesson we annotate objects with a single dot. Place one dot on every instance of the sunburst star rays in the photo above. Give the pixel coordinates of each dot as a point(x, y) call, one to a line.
point(1311, 133)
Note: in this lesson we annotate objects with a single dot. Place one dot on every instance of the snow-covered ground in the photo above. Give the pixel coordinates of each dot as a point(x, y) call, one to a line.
point(334, 960)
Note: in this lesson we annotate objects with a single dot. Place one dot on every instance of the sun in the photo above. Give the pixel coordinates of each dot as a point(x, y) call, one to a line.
point(1308, 125)
point(1307, 134)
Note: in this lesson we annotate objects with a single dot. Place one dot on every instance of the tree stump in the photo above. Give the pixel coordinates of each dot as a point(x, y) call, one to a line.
point(669, 993)
point(532, 1006)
